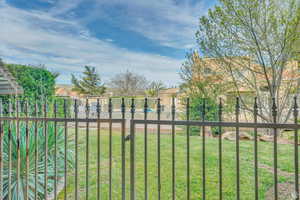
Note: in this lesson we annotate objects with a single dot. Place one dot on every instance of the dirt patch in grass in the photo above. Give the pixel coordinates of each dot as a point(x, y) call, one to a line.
point(286, 191)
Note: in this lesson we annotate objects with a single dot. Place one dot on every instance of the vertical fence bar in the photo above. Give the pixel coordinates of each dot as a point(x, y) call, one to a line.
point(55, 150)
point(87, 153)
point(296, 159)
point(9, 149)
point(188, 149)
point(173, 149)
point(220, 152)
point(237, 140)
point(132, 108)
point(203, 153)
point(123, 149)
point(132, 111)
point(18, 147)
point(76, 149)
point(36, 151)
point(98, 149)
point(110, 148)
point(46, 152)
point(1, 150)
point(255, 150)
point(132, 160)
point(146, 148)
point(158, 149)
point(274, 113)
point(27, 150)
point(66, 149)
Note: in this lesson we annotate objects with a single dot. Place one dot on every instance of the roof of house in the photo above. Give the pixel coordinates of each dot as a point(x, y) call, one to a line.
point(66, 91)
point(8, 84)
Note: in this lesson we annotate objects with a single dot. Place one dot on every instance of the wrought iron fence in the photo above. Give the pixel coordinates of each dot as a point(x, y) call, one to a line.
point(32, 163)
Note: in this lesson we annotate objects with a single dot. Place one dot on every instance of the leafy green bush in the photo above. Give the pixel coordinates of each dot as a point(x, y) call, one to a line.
point(40, 145)
point(36, 81)
point(196, 113)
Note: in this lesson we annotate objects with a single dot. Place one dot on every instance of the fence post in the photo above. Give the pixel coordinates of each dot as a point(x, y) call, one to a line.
point(173, 111)
point(76, 148)
point(36, 111)
point(87, 131)
point(98, 148)
point(146, 148)
point(237, 140)
point(27, 149)
point(132, 158)
point(274, 114)
point(158, 149)
point(46, 151)
point(220, 151)
point(110, 109)
point(188, 149)
point(66, 148)
point(255, 108)
point(296, 149)
point(123, 110)
point(203, 153)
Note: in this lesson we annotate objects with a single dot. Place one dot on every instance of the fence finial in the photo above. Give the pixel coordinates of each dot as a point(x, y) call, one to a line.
point(255, 107)
point(110, 106)
point(146, 105)
point(158, 106)
point(98, 109)
point(87, 107)
point(295, 107)
point(220, 107)
point(173, 108)
point(203, 109)
point(55, 108)
point(45, 107)
point(76, 108)
point(274, 108)
point(123, 108)
point(26, 110)
point(237, 106)
point(65, 107)
point(188, 108)
point(132, 110)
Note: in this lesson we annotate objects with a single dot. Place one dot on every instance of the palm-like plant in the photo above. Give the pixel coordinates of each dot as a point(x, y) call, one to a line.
point(40, 146)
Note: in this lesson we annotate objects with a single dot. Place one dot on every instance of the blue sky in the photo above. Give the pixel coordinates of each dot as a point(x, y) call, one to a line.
point(149, 37)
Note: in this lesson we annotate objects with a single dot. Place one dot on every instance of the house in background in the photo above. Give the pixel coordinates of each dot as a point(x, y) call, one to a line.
point(8, 84)
point(166, 97)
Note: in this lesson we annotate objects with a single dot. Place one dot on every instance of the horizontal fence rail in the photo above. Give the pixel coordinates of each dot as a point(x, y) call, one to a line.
point(53, 150)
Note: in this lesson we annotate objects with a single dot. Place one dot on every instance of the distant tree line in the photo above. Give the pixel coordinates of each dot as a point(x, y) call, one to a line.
point(123, 84)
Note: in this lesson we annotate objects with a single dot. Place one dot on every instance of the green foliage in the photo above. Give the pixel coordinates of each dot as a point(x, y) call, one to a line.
point(196, 112)
point(254, 42)
point(90, 84)
point(40, 145)
point(36, 81)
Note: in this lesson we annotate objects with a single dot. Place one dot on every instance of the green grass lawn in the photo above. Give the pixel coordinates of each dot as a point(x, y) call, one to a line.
point(285, 162)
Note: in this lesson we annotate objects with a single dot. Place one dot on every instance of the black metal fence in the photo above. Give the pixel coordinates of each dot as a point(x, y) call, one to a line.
point(37, 154)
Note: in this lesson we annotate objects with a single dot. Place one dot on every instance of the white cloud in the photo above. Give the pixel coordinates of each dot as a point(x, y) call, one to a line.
point(24, 38)
point(164, 21)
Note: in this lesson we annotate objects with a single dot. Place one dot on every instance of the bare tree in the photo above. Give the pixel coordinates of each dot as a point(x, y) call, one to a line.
point(253, 42)
point(128, 84)
point(154, 88)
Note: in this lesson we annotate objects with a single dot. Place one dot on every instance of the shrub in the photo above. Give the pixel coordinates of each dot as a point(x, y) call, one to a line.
point(41, 159)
